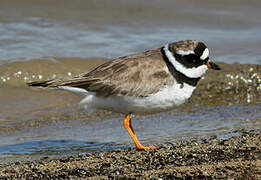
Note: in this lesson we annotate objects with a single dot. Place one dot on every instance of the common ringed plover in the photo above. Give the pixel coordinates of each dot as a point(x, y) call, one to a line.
point(149, 82)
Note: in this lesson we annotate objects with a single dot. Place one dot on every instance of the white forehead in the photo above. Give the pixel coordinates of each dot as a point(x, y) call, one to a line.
point(205, 54)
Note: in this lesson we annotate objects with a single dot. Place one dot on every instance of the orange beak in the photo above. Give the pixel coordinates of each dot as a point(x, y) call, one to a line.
point(212, 65)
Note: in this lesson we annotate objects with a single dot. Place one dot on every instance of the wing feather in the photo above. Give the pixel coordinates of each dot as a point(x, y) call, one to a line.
point(135, 75)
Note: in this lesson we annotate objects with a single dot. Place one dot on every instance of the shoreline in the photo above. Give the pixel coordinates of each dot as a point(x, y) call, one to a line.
point(208, 157)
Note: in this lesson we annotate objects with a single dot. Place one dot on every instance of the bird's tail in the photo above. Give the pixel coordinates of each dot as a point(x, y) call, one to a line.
point(55, 83)
point(48, 83)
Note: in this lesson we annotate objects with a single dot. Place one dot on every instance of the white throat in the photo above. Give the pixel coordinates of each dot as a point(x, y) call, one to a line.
point(194, 72)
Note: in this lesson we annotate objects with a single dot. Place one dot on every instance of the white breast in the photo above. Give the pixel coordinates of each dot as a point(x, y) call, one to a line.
point(166, 99)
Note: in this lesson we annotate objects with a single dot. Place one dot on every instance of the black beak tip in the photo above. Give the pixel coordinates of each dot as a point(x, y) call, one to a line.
point(214, 66)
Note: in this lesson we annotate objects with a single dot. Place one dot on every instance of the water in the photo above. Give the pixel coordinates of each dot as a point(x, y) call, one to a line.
point(102, 29)
point(51, 39)
point(83, 136)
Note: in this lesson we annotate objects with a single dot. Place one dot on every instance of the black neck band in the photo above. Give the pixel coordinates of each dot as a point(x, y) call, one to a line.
point(180, 77)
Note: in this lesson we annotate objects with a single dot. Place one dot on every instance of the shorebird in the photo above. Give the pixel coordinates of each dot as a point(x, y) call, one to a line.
point(148, 82)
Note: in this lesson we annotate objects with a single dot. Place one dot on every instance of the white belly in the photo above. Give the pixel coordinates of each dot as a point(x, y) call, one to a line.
point(166, 99)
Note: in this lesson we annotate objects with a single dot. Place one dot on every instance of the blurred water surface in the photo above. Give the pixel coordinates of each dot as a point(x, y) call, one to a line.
point(51, 28)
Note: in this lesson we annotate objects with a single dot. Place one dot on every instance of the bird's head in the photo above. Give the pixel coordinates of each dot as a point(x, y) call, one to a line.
point(190, 57)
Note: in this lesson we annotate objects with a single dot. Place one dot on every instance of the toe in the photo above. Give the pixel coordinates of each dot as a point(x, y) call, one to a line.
point(145, 148)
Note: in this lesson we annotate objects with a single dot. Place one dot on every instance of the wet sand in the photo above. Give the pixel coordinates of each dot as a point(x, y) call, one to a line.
point(237, 157)
point(234, 84)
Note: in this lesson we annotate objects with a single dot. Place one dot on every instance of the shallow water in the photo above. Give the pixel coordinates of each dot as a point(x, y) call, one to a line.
point(85, 136)
point(48, 39)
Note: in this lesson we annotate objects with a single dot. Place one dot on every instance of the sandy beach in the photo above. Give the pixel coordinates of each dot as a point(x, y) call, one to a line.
point(237, 157)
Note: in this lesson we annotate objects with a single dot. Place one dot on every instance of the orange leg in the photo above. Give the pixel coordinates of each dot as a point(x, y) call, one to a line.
point(128, 127)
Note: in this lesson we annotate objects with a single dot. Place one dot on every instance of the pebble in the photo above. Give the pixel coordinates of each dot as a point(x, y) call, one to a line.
point(207, 158)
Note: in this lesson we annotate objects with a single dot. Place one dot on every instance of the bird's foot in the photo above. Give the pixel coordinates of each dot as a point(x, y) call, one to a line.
point(145, 148)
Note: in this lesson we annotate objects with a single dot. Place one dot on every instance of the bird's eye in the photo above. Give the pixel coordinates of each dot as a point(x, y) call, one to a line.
point(192, 58)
